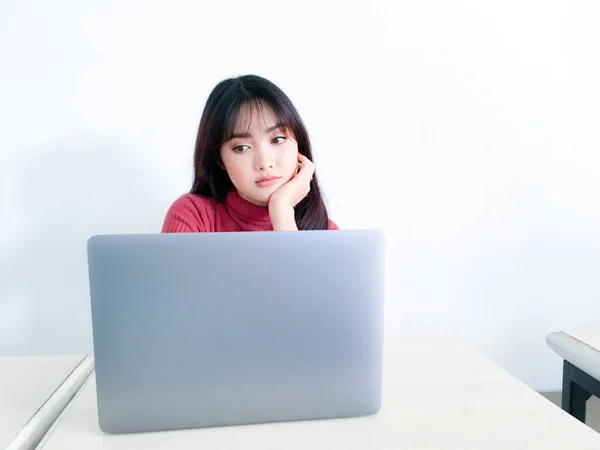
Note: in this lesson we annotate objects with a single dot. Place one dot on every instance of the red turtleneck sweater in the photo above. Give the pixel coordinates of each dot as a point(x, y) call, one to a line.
point(195, 213)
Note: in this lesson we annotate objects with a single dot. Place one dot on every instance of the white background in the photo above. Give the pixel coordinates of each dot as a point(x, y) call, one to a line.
point(467, 130)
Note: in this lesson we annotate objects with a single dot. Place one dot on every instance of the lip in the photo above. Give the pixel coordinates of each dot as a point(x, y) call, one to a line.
point(267, 181)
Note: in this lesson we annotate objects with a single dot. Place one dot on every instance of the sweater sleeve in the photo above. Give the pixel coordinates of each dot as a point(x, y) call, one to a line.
point(186, 216)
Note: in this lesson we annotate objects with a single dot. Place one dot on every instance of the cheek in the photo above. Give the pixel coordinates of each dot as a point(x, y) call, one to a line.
point(235, 167)
point(289, 163)
point(235, 172)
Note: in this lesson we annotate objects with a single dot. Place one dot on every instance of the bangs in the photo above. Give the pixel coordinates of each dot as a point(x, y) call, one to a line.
point(239, 119)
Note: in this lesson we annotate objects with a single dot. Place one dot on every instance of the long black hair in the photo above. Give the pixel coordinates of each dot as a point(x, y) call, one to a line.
point(217, 126)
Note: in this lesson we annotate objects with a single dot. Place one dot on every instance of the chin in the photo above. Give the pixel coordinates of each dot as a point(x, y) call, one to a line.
point(262, 195)
point(261, 199)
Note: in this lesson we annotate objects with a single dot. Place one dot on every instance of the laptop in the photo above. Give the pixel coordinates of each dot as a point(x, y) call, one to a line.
point(194, 330)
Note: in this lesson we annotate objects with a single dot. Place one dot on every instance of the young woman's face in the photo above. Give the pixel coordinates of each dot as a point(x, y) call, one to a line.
point(261, 157)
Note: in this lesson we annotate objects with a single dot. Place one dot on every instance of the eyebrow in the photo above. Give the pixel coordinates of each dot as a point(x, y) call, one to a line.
point(248, 135)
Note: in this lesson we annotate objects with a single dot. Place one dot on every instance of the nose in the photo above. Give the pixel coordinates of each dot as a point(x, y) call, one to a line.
point(265, 158)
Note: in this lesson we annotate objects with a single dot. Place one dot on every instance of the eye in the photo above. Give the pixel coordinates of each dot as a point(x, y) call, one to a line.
point(240, 148)
point(279, 139)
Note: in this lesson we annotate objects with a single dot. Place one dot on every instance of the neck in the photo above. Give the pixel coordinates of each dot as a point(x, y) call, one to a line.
point(246, 210)
point(254, 202)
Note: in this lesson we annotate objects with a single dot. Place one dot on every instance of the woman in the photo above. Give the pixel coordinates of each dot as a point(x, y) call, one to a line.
point(252, 165)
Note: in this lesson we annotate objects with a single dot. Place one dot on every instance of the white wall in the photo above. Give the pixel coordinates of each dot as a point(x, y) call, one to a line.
point(467, 130)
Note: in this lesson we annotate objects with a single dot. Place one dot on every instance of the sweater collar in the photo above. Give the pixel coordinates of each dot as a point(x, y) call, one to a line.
point(244, 210)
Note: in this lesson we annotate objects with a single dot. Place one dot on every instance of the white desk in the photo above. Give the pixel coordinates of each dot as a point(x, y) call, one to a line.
point(26, 382)
point(581, 368)
point(580, 349)
point(590, 338)
point(437, 395)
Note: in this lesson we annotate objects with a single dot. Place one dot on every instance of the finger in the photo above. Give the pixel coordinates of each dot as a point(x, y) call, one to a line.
point(307, 171)
point(302, 158)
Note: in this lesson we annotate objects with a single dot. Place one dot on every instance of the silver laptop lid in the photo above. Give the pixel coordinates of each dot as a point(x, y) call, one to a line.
point(211, 329)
